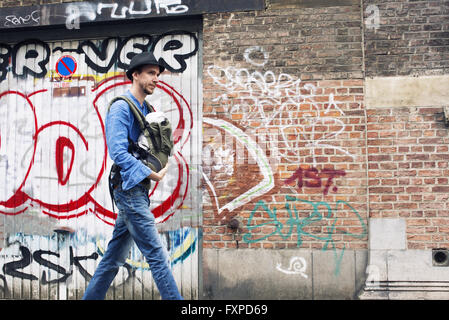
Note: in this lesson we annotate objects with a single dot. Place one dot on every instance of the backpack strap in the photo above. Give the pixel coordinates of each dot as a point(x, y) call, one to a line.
point(143, 123)
point(150, 107)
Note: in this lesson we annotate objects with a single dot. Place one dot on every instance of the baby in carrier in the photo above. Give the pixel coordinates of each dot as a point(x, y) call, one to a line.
point(152, 117)
point(153, 147)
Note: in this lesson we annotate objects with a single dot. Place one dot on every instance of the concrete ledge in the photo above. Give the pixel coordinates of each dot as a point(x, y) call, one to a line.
point(388, 92)
point(403, 290)
point(407, 293)
point(295, 274)
point(405, 274)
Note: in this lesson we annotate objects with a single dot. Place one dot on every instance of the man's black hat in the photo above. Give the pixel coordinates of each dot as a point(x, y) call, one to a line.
point(144, 58)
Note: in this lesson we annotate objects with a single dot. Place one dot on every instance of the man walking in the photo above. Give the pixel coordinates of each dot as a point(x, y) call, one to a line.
point(134, 222)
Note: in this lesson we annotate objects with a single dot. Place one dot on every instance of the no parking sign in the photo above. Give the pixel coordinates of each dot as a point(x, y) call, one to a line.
point(66, 66)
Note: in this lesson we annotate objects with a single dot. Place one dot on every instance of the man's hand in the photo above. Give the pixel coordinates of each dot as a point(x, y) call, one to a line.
point(158, 176)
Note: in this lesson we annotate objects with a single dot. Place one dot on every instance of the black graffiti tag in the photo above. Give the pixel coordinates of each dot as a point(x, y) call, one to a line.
point(31, 57)
point(13, 268)
point(172, 45)
point(4, 60)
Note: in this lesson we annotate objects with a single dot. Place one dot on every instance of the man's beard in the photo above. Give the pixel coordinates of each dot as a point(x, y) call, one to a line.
point(146, 91)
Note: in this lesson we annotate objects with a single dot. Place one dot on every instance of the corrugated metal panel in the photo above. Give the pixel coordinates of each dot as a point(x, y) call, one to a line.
point(55, 209)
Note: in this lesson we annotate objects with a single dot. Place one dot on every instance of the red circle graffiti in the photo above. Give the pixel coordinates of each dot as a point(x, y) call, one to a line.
point(161, 212)
point(71, 205)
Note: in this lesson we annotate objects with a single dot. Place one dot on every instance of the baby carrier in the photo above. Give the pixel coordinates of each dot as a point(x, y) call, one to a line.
point(154, 146)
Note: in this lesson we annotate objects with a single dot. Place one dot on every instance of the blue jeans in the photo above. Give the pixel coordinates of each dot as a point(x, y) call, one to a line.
point(134, 222)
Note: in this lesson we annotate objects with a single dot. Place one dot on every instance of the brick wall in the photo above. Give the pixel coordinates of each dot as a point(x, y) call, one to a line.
point(406, 37)
point(408, 172)
point(407, 138)
point(294, 77)
point(314, 43)
point(406, 135)
point(406, 147)
point(297, 154)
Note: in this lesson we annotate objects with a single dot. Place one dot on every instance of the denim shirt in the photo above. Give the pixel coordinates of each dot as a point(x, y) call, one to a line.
point(120, 124)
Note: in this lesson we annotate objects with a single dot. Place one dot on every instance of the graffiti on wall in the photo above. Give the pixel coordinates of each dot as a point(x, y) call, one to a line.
point(54, 162)
point(17, 20)
point(170, 7)
point(284, 120)
point(320, 222)
point(251, 192)
point(74, 13)
point(274, 121)
point(69, 154)
point(32, 57)
point(67, 258)
point(297, 265)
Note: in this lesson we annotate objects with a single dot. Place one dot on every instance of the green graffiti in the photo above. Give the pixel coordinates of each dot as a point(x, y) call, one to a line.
point(295, 224)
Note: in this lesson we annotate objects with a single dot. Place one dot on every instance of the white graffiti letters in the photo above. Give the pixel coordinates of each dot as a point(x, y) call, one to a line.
point(31, 57)
point(175, 49)
point(297, 265)
point(265, 100)
point(170, 7)
point(177, 6)
point(75, 12)
point(14, 20)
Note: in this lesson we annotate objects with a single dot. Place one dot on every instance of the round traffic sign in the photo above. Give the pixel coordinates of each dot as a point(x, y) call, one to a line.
point(66, 66)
